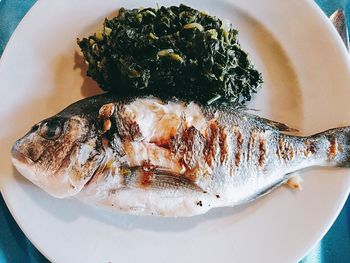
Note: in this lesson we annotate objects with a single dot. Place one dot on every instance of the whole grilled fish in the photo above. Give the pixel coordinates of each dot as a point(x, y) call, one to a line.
point(170, 158)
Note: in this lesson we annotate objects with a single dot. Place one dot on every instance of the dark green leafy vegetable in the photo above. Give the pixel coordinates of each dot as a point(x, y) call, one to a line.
point(175, 51)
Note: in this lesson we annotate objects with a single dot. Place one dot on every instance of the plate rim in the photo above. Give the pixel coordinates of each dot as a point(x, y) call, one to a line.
point(317, 11)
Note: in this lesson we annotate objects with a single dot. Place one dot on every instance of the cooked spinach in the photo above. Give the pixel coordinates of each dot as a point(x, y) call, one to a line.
point(175, 51)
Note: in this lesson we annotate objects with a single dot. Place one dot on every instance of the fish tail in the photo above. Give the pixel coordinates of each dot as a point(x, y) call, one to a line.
point(333, 146)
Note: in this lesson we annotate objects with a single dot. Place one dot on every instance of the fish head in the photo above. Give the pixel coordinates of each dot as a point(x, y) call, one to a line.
point(59, 154)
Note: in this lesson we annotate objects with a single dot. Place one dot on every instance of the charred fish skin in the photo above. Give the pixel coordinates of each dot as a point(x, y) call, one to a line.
point(170, 158)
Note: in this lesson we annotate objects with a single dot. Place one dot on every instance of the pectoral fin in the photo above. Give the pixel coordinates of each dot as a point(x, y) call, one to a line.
point(158, 178)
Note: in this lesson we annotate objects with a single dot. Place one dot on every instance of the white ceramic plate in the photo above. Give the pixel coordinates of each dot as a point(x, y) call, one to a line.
point(307, 80)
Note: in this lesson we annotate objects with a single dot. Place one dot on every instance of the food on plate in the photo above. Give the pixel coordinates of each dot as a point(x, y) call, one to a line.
point(167, 157)
point(170, 51)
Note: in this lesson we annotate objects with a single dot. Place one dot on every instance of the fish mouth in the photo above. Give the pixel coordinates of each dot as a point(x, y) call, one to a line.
point(19, 156)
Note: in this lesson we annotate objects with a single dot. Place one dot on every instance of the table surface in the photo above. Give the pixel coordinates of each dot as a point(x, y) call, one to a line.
point(15, 247)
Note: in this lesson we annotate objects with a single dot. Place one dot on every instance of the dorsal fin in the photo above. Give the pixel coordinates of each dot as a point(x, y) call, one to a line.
point(278, 125)
point(244, 110)
point(273, 124)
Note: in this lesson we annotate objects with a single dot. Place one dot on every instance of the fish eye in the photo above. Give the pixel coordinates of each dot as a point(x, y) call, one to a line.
point(51, 129)
point(34, 128)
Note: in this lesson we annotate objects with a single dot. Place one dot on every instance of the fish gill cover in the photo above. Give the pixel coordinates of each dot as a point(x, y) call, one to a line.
point(175, 51)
